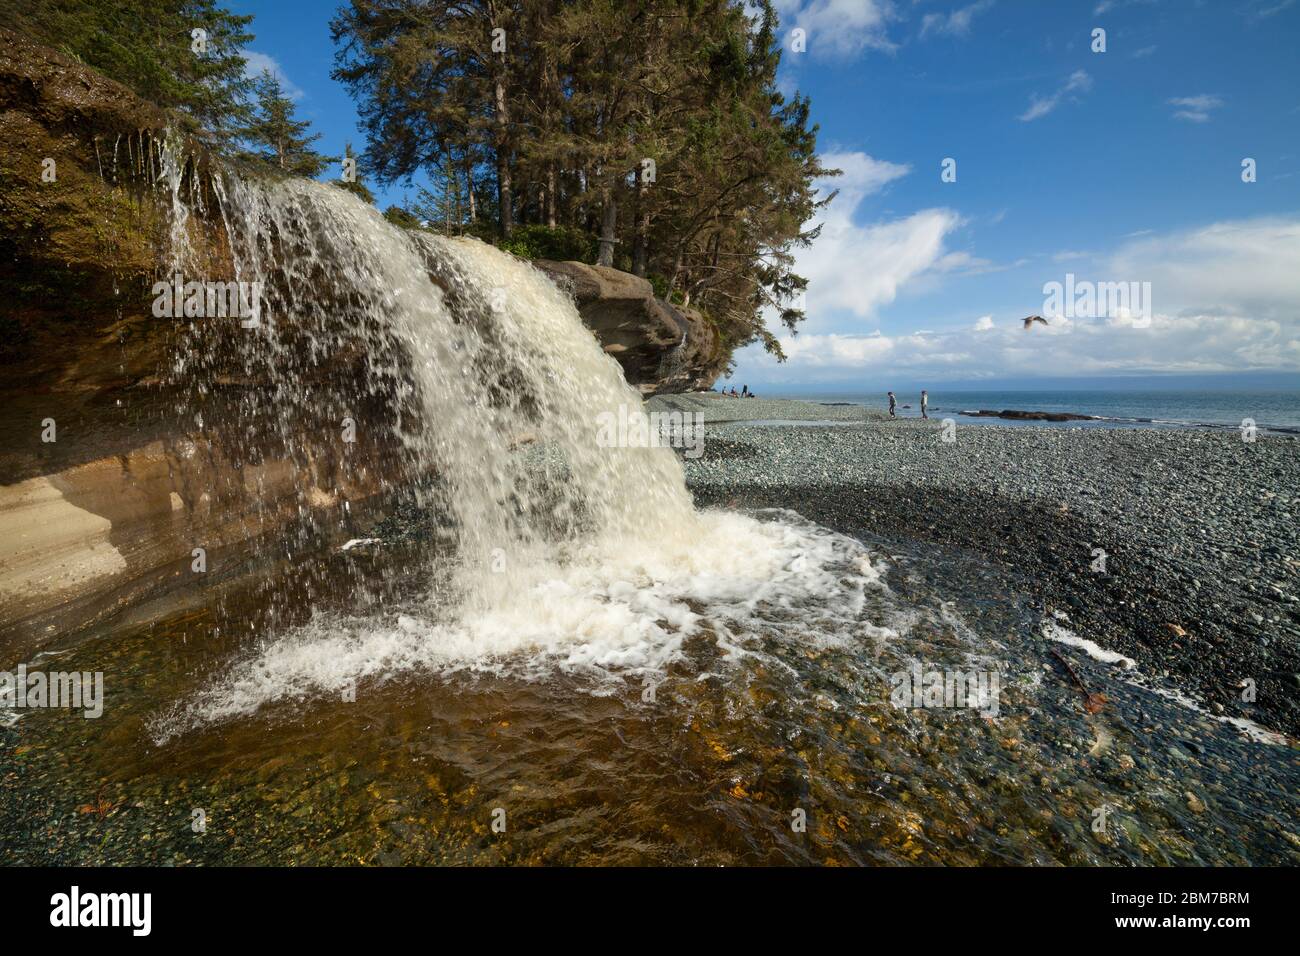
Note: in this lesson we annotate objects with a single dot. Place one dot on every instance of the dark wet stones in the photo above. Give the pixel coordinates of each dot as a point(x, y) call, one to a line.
point(1176, 517)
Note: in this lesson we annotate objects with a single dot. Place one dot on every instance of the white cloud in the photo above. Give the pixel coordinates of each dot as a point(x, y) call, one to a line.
point(962, 263)
point(1039, 106)
point(861, 175)
point(956, 23)
point(1262, 9)
point(255, 63)
point(855, 268)
point(1246, 267)
point(1107, 5)
point(840, 27)
point(1195, 109)
point(1169, 344)
point(1226, 299)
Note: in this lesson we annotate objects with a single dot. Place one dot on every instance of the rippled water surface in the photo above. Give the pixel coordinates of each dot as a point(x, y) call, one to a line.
point(550, 656)
point(712, 754)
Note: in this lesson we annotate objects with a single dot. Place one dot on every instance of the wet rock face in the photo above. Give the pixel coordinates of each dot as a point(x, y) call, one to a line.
point(661, 347)
point(79, 231)
point(143, 461)
point(109, 515)
point(113, 470)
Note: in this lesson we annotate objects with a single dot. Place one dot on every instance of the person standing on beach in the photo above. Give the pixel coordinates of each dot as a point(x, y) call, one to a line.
point(925, 402)
point(892, 402)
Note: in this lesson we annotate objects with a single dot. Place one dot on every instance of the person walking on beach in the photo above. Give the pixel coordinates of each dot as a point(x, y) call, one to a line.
point(925, 403)
point(892, 402)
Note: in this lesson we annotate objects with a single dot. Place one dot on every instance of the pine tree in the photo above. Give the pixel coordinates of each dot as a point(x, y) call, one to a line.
point(282, 138)
point(355, 185)
point(552, 129)
point(183, 55)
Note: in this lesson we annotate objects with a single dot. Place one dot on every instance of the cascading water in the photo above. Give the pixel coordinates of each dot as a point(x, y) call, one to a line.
point(631, 679)
point(564, 553)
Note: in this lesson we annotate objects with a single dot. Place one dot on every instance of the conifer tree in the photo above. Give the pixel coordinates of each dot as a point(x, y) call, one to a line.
point(183, 55)
point(653, 129)
point(280, 139)
point(354, 185)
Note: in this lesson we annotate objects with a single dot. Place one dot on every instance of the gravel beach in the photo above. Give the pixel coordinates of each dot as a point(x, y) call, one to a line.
point(1199, 571)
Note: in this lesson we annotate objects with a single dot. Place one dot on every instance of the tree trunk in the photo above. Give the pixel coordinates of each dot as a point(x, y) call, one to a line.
point(608, 225)
point(552, 197)
point(503, 161)
point(641, 218)
point(677, 271)
point(469, 188)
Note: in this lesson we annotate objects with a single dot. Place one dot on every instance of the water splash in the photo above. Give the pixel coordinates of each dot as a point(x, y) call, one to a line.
point(565, 553)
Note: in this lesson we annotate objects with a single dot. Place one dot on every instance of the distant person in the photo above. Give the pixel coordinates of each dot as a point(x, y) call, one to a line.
point(744, 391)
point(925, 403)
point(733, 391)
point(893, 402)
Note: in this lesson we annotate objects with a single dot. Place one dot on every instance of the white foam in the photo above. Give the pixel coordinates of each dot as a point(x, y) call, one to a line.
point(1247, 727)
point(609, 610)
point(1055, 632)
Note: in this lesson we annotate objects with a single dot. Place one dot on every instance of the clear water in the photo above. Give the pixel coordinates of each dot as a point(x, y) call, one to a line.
point(574, 650)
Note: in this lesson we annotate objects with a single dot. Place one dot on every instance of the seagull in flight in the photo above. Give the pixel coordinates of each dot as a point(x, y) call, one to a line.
point(1029, 322)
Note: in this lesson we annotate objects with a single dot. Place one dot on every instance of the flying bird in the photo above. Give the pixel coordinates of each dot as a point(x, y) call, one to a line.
point(1029, 321)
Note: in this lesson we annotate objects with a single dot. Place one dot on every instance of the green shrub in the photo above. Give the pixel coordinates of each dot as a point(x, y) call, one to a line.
point(543, 242)
point(402, 217)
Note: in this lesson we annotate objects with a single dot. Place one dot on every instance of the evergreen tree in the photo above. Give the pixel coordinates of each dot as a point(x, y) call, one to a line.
point(653, 129)
point(282, 138)
point(355, 185)
point(183, 55)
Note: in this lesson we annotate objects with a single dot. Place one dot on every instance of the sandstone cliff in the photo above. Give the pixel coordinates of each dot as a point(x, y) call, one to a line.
point(113, 468)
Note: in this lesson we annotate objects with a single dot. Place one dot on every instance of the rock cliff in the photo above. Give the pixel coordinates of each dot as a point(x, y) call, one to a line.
point(662, 348)
point(113, 469)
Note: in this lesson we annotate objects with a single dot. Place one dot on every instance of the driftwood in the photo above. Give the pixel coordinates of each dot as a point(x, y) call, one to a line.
point(1092, 703)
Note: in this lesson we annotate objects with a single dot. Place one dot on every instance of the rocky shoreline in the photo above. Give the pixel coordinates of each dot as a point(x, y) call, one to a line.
point(1199, 580)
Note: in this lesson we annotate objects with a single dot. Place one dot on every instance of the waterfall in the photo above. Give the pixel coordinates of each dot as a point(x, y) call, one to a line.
point(471, 344)
point(565, 552)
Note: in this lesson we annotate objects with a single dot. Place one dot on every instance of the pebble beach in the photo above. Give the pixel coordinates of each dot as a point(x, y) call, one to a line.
point(1177, 548)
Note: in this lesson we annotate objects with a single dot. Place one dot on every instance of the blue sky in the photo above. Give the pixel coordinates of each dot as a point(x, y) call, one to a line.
point(1116, 166)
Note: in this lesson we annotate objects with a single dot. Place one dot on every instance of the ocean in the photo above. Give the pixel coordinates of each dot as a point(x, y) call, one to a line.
point(1269, 409)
